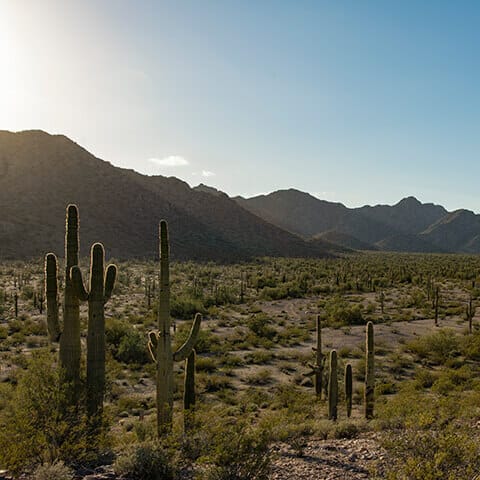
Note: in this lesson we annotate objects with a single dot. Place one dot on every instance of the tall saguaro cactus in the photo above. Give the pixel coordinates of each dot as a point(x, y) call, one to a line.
point(370, 372)
point(189, 391)
point(470, 311)
point(348, 389)
point(319, 359)
point(100, 291)
point(333, 387)
point(160, 343)
point(69, 335)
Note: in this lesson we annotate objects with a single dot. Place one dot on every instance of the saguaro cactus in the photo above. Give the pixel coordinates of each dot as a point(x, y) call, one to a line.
point(319, 359)
point(189, 390)
point(333, 387)
point(370, 372)
point(100, 291)
point(436, 301)
point(470, 311)
point(348, 389)
point(69, 336)
point(160, 345)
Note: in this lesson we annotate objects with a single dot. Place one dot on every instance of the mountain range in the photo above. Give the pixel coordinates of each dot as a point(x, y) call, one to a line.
point(41, 173)
point(408, 226)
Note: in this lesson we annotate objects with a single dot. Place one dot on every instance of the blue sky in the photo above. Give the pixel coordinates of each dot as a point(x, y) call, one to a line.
point(354, 101)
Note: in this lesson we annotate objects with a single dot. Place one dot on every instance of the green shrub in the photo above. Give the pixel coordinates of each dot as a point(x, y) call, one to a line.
point(145, 461)
point(133, 348)
point(37, 427)
point(437, 347)
point(53, 471)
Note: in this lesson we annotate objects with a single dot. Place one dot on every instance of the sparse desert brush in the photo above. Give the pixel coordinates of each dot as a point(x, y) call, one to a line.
point(37, 426)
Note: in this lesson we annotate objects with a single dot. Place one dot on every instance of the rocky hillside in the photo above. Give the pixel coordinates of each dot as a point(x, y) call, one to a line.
point(408, 226)
point(41, 173)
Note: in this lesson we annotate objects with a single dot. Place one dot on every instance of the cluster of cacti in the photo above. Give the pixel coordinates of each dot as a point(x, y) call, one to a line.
point(160, 345)
point(369, 400)
point(101, 286)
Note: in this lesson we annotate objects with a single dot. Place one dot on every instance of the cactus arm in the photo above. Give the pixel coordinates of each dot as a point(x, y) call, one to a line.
point(109, 282)
point(184, 351)
point(77, 283)
point(51, 294)
point(152, 344)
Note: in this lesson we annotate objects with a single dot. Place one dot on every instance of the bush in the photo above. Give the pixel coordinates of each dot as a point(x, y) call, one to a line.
point(437, 347)
point(133, 348)
point(53, 471)
point(146, 461)
point(37, 427)
point(238, 453)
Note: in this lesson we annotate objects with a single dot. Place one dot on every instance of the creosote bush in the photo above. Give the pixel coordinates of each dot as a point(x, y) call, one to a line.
point(37, 426)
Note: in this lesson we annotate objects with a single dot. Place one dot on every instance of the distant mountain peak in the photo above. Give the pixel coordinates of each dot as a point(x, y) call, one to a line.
point(409, 201)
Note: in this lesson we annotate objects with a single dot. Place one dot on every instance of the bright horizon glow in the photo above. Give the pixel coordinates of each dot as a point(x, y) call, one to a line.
point(354, 102)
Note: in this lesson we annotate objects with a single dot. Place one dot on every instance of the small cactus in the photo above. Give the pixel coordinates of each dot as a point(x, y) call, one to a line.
point(348, 389)
point(370, 372)
point(159, 344)
point(333, 387)
point(100, 291)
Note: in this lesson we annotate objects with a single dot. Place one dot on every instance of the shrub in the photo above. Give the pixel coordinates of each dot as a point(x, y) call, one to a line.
point(145, 461)
point(238, 453)
point(437, 347)
point(53, 471)
point(37, 427)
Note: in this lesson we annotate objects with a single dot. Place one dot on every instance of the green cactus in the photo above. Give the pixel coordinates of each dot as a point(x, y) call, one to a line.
point(369, 372)
point(101, 286)
point(69, 336)
point(470, 311)
point(333, 387)
point(319, 359)
point(436, 302)
point(160, 345)
point(348, 389)
point(189, 391)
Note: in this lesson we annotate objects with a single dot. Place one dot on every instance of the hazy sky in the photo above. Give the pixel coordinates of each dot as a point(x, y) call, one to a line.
point(354, 101)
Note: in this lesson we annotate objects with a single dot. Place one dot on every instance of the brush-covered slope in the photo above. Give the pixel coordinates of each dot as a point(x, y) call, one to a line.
point(408, 226)
point(41, 173)
point(407, 216)
point(306, 215)
point(345, 240)
point(456, 231)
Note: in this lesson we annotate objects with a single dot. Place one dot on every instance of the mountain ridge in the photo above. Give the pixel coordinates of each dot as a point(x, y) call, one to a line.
point(42, 173)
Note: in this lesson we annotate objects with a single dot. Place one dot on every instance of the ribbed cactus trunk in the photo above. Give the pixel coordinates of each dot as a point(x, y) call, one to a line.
point(333, 387)
point(348, 389)
point(370, 372)
point(69, 336)
point(100, 290)
point(160, 345)
point(189, 391)
point(319, 360)
point(164, 344)
point(70, 350)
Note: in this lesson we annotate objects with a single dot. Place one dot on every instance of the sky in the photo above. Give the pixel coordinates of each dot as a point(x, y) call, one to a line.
point(362, 102)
